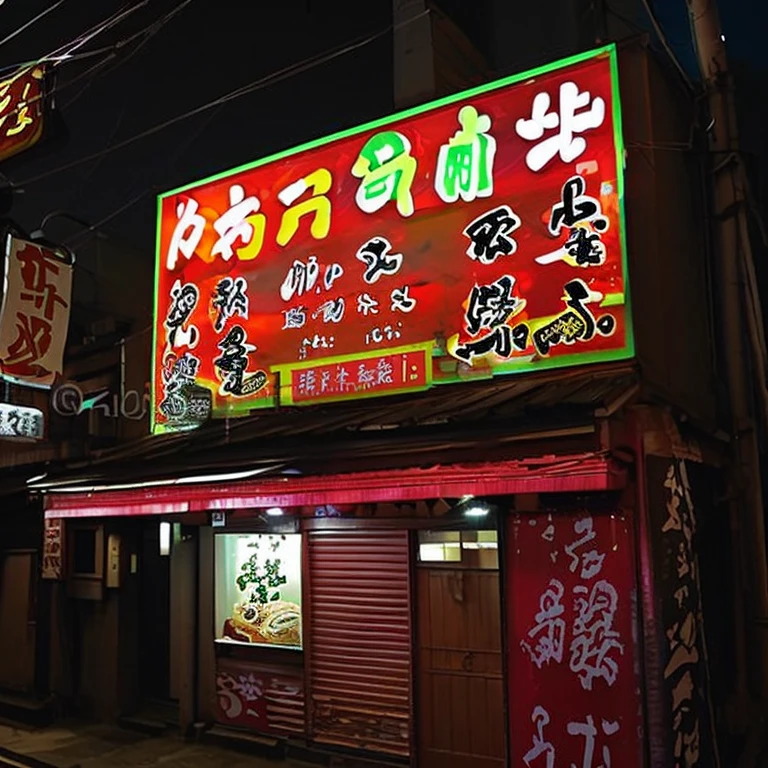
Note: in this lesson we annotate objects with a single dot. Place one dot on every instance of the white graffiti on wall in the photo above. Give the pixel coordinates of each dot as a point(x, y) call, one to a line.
point(595, 645)
point(548, 634)
point(591, 561)
point(541, 748)
point(594, 638)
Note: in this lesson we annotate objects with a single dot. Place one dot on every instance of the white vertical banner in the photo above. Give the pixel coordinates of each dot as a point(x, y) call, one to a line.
point(53, 549)
point(34, 315)
point(414, 63)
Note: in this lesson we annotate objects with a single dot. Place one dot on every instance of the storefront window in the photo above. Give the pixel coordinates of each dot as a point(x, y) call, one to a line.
point(471, 549)
point(258, 589)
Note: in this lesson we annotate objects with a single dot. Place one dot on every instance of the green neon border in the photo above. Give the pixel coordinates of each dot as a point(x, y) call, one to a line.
point(618, 140)
point(628, 351)
point(153, 426)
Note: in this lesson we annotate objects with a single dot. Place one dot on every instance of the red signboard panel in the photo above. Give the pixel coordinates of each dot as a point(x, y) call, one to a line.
point(484, 231)
point(574, 695)
point(21, 110)
point(365, 376)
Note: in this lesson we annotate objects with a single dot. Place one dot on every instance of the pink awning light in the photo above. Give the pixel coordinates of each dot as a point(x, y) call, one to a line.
point(552, 474)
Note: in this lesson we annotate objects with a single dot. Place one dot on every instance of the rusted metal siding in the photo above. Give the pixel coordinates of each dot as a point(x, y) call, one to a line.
point(360, 650)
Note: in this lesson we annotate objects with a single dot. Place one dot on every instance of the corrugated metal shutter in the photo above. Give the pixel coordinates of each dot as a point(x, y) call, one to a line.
point(360, 640)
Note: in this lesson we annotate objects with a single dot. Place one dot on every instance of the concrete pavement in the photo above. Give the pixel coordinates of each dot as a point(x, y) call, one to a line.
point(105, 746)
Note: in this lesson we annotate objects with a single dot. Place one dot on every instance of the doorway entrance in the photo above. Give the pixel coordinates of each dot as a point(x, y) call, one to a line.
point(460, 700)
point(154, 616)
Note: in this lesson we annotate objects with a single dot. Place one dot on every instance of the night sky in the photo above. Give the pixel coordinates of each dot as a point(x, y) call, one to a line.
point(207, 49)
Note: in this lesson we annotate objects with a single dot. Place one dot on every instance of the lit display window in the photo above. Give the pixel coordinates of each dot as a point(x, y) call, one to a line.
point(258, 589)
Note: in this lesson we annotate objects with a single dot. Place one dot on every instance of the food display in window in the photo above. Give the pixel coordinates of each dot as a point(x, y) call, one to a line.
point(258, 589)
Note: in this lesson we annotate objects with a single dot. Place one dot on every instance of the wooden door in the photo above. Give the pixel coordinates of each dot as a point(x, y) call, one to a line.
point(17, 638)
point(460, 681)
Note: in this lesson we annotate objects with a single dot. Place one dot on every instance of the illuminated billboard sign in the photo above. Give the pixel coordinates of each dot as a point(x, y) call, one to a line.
point(475, 236)
point(22, 110)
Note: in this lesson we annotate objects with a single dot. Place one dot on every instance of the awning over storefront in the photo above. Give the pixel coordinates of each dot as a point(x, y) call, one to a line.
point(549, 474)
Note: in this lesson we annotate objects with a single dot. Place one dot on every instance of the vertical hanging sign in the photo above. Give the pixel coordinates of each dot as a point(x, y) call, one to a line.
point(675, 488)
point(34, 316)
point(22, 110)
point(53, 546)
point(574, 687)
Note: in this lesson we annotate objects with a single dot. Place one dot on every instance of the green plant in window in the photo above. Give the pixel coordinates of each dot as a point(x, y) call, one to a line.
point(266, 581)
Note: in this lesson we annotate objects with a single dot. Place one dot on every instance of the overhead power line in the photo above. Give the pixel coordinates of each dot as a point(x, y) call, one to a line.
point(271, 79)
point(65, 52)
point(28, 24)
point(665, 44)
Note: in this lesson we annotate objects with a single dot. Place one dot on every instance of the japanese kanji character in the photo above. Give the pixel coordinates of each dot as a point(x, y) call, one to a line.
point(367, 304)
point(23, 118)
point(488, 235)
point(233, 360)
point(184, 299)
point(375, 254)
point(243, 223)
point(35, 265)
point(318, 341)
point(681, 517)
point(365, 376)
point(187, 234)
point(682, 645)
point(491, 305)
point(685, 723)
point(576, 323)
point(594, 639)
point(318, 205)
point(585, 248)
point(332, 273)
point(401, 300)
point(308, 382)
point(384, 371)
point(14, 423)
point(465, 163)
point(331, 310)
point(301, 278)
point(578, 113)
point(498, 341)
point(250, 687)
point(177, 374)
point(540, 719)
point(230, 299)
point(386, 170)
point(589, 731)
point(548, 635)
point(576, 207)
point(32, 342)
point(342, 374)
point(295, 317)
point(591, 561)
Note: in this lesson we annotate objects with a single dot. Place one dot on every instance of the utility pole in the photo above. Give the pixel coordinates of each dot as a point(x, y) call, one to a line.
point(740, 345)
